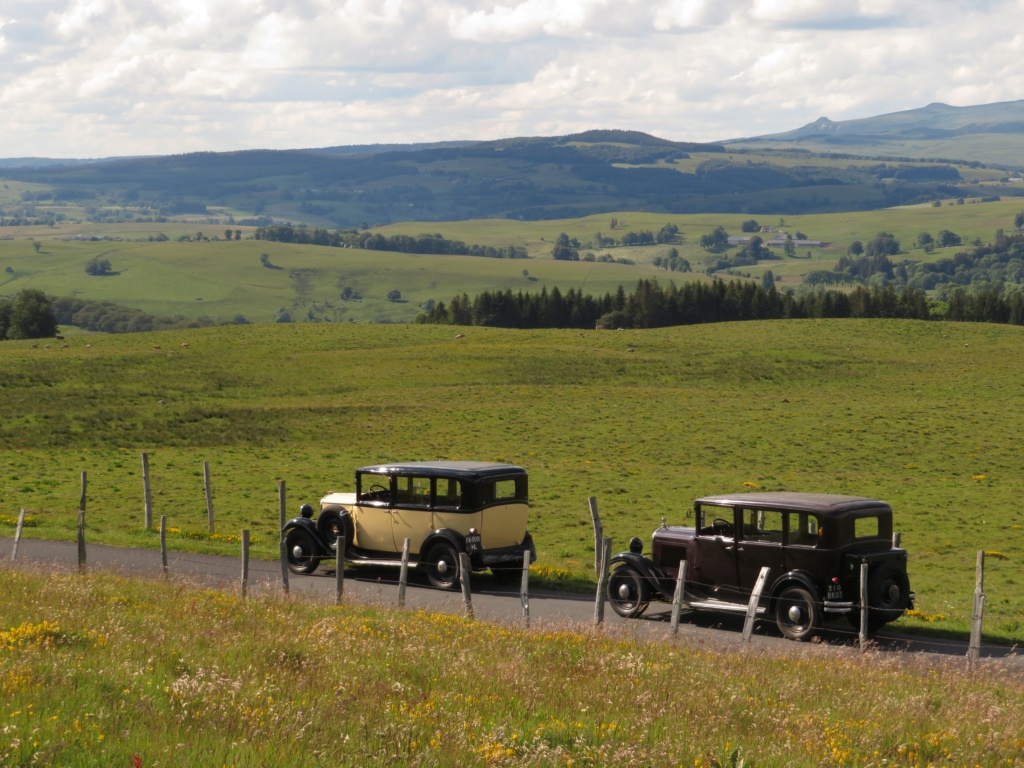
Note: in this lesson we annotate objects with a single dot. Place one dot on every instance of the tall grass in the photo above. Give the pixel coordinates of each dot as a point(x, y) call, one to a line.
point(98, 670)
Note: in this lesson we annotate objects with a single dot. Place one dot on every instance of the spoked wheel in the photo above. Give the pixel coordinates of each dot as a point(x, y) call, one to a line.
point(627, 592)
point(443, 566)
point(301, 549)
point(797, 615)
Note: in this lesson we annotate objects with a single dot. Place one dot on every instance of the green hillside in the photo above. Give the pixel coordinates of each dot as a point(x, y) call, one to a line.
point(919, 414)
point(222, 279)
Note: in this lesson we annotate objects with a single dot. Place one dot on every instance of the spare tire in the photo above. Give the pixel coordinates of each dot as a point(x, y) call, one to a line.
point(888, 593)
point(331, 524)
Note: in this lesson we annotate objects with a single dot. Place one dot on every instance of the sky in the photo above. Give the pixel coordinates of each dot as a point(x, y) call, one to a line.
point(108, 78)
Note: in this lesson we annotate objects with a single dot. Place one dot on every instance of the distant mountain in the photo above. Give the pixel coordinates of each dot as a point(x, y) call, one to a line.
point(987, 133)
point(919, 156)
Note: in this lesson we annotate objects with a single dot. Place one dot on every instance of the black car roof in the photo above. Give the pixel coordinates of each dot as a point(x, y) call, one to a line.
point(826, 504)
point(467, 470)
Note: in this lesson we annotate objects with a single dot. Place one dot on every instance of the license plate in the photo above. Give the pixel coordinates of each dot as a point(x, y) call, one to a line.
point(473, 543)
point(835, 592)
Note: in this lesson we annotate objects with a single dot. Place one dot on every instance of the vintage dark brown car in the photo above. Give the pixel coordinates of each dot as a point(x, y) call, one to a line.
point(813, 545)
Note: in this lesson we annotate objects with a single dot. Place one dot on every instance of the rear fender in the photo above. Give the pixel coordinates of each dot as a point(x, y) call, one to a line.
point(797, 579)
point(444, 534)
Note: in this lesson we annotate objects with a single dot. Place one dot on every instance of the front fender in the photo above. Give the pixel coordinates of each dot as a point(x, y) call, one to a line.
point(654, 576)
point(307, 525)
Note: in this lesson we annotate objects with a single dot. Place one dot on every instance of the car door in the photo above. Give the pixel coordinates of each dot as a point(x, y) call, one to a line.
point(714, 553)
point(760, 544)
point(411, 517)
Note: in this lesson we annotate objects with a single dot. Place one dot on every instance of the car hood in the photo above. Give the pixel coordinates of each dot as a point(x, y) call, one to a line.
point(334, 497)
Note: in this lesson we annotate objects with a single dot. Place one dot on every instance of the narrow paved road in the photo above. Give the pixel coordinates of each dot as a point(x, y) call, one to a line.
point(491, 602)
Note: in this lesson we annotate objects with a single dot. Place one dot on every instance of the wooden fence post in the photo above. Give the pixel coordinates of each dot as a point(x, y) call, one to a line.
point(81, 540)
point(245, 561)
point(598, 535)
point(865, 606)
point(403, 574)
point(755, 598)
point(467, 592)
point(17, 534)
point(147, 492)
point(524, 589)
point(81, 502)
point(282, 503)
point(339, 574)
point(209, 494)
point(602, 581)
point(978, 611)
point(163, 543)
point(677, 598)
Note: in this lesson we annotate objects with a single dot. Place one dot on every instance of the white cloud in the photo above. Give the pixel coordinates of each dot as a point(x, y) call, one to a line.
point(111, 77)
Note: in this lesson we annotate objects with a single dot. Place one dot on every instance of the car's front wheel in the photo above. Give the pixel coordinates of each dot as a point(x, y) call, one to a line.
point(627, 591)
point(443, 566)
point(301, 551)
point(797, 614)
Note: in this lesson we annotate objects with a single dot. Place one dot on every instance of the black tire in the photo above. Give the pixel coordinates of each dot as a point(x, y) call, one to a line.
point(797, 614)
point(301, 551)
point(331, 525)
point(442, 563)
point(627, 591)
point(888, 596)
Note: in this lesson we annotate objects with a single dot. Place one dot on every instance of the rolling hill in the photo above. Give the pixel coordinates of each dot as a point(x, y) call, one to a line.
point(914, 156)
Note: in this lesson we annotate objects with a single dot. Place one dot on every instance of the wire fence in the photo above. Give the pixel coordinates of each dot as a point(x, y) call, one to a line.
point(749, 603)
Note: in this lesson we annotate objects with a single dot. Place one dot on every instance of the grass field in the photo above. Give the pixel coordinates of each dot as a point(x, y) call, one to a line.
point(101, 671)
point(923, 415)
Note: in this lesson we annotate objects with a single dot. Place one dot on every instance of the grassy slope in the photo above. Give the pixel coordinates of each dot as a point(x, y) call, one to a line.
point(99, 671)
point(221, 279)
point(922, 415)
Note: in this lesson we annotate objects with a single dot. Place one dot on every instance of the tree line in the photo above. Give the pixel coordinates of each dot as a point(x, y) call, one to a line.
point(652, 305)
point(374, 241)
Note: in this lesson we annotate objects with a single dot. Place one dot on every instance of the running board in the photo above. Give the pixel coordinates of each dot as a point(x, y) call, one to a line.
point(368, 561)
point(720, 605)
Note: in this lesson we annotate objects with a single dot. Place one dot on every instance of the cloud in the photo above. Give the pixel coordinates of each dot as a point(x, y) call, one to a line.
point(110, 77)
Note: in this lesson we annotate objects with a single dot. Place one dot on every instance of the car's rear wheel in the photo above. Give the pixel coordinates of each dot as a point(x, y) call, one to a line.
point(301, 551)
point(627, 591)
point(797, 614)
point(443, 566)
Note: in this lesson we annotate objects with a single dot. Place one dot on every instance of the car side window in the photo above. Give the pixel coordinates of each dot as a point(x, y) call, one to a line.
point(803, 529)
point(867, 527)
point(763, 525)
point(715, 521)
point(374, 488)
point(413, 491)
point(447, 493)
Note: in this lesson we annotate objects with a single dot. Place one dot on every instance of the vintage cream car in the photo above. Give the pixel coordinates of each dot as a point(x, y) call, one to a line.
point(444, 508)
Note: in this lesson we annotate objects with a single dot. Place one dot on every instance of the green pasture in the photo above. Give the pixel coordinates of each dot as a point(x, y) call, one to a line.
point(222, 279)
point(923, 415)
